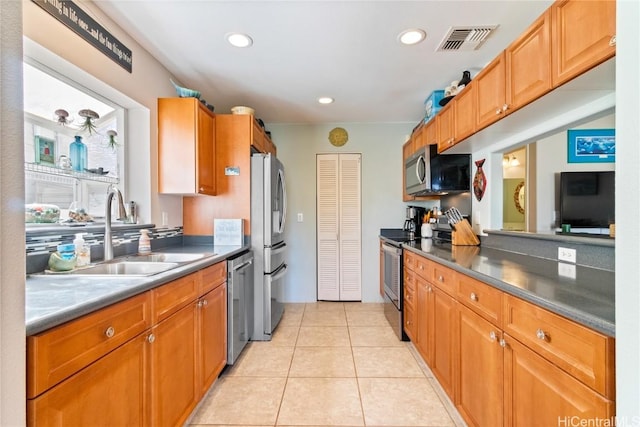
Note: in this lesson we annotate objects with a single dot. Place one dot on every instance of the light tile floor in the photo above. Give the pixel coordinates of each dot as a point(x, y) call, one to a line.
point(328, 364)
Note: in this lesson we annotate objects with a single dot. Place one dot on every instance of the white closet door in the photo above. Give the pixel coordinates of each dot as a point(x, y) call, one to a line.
point(339, 227)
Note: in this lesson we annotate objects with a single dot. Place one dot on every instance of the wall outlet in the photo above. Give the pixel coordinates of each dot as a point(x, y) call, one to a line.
point(300, 217)
point(165, 218)
point(567, 270)
point(566, 254)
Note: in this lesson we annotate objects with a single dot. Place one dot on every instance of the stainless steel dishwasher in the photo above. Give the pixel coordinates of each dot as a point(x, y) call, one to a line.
point(239, 304)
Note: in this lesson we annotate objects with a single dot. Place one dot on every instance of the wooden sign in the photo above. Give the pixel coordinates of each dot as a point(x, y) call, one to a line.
point(86, 27)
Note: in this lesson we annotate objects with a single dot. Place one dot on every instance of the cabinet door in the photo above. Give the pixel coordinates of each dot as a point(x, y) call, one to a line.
point(424, 307)
point(445, 123)
point(174, 368)
point(257, 138)
point(480, 370)
point(409, 305)
point(583, 36)
point(418, 138)
point(213, 335)
point(206, 174)
point(444, 339)
point(528, 64)
point(490, 93)
point(407, 150)
point(112, 391)
point(537, 393)
point(465, 113)
point(430, 133)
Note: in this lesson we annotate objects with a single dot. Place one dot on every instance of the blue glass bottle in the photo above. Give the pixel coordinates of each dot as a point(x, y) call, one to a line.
point(78, 154)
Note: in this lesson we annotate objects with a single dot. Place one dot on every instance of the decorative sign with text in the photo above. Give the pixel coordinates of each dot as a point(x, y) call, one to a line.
point(86, 27)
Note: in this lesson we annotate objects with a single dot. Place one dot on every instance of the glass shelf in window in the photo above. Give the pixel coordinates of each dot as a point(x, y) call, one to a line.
point(58, 172)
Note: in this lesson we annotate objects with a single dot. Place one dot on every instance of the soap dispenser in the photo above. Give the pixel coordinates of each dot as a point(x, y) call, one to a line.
point(83, 251)
point(144, 244)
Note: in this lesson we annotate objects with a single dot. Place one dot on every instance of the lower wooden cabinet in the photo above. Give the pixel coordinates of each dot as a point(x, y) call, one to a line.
point(153, 378)
point(173, 368)
point(112, 391)
point(504, 361)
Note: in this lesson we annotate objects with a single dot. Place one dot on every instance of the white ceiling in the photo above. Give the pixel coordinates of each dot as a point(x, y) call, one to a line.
point(303, 49)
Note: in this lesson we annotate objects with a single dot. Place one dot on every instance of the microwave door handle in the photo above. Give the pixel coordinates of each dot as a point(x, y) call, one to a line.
point(418, 163)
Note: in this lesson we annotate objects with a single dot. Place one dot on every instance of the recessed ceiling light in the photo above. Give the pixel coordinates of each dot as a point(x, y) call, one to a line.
point(412, 36)
point(325, 100)
point(239, 40)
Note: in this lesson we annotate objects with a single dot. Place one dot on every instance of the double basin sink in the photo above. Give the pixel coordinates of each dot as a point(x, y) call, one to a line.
point(138, 265)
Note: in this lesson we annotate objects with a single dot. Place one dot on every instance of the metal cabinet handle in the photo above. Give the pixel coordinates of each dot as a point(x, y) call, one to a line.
point(612, 41)
point(498, 111)
point(202, 189)
point(492, 336)
point(151, 338)
point(503, 343)
point(541, 335)
point(441, 278)
point(505, 107)
point(205, 302)
point(110, 332)
point(473, 297)
point(429, 289)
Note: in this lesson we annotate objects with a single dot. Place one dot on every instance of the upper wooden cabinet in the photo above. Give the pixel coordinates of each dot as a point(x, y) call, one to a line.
point(583, 36)
point(445, 122)
point(528, 64)
point(186, 147)
point(491, 92)
point(465, 113)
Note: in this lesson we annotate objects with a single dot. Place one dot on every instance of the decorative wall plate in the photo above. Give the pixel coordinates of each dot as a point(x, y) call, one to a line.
point(338, 137)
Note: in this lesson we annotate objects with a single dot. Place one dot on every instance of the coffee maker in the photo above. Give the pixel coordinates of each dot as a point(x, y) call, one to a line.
point(413, 221)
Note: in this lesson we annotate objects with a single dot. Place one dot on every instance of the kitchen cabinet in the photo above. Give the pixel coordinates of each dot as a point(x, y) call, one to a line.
point(582, 35)
point(528, 64)
point(445, 121)
point(491, 92)
point(407, 151)
point(464, 113)
point(410, 302)
point(430, 134)
point(501, 359)
point(236, 136)
point(147, 360)
point(113, 388)
point(186, 147)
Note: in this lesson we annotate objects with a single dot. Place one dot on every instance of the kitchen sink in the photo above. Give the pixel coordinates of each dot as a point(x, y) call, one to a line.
point(126, 268)
point(162, 257)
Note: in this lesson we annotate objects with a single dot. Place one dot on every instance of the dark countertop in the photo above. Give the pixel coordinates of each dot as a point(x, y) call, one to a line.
point(55, 299)
point(588, 297)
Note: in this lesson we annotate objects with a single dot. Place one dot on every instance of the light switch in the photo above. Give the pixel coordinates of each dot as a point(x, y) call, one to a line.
point(300, 217)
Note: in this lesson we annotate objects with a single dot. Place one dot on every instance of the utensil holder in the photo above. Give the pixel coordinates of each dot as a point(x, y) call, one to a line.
point(463, 235)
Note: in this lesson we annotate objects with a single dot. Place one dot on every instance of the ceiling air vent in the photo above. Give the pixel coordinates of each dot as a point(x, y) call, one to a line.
point(465, 38)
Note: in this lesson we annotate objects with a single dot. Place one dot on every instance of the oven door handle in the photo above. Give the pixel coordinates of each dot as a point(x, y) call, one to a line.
point(392, 250)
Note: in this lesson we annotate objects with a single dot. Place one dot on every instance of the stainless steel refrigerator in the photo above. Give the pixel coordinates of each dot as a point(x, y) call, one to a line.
point(268, 217)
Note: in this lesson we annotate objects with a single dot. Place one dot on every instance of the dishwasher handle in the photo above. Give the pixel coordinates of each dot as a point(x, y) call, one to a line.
point(243, 265)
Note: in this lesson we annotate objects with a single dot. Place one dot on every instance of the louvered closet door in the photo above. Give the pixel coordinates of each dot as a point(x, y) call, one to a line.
point(339, 227)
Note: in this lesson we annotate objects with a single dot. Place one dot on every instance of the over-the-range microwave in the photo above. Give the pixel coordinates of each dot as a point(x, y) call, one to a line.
point(427, 172)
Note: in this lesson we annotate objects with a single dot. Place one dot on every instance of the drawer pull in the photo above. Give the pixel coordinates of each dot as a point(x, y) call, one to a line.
point(205, 302)
point(492, 336)
point(542, 335)
point(503, 343)
point(473, 297)
point(429, 289)
point(110, 332)
point(612, 42)
point(151, 338)
point(441, 278)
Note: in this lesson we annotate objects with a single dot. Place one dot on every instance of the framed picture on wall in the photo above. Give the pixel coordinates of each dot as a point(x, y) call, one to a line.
point(45, 151)
point(592, 146)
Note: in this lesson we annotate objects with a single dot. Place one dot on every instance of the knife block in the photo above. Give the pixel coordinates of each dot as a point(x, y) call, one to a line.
point(463, 235)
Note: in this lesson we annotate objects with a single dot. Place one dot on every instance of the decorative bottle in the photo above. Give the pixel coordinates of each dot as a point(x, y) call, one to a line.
point(78, 154)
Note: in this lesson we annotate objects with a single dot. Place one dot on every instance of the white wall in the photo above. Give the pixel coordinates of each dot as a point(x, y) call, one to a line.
point(382, 206)
point(552, 159)
point(12, 255)
point(627, 208)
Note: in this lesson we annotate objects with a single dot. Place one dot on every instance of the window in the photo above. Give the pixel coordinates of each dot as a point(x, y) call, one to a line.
point(48, 134)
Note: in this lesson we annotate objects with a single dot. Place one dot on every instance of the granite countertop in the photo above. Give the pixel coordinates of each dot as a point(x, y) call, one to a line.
point(587, 296)
point(54, 299)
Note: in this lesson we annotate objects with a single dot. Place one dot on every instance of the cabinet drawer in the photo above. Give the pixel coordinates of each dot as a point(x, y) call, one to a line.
point(212, 277)
point(169, 298)
point(409, 288)
point(409, 259)
point(481, 298)
point(56, 354)
point(409, 318)
point(443, 277)
point(580, 351)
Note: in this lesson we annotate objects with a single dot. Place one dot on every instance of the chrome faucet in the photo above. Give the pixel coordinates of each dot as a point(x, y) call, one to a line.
point(122, 214)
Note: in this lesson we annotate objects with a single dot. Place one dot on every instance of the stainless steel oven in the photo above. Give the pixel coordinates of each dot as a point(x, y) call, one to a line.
point(392, 277)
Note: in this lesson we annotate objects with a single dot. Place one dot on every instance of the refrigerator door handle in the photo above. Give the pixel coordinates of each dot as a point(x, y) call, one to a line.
point(279, 248)
point(279, 273)
point(284, 200)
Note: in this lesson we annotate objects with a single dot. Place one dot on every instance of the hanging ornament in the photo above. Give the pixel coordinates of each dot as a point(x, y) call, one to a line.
point(479, 180)
point(89, 117)
point(113, 144)
point(62, 117)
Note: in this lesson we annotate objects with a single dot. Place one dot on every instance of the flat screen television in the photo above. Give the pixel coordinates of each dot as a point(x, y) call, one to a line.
point(587, 199)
